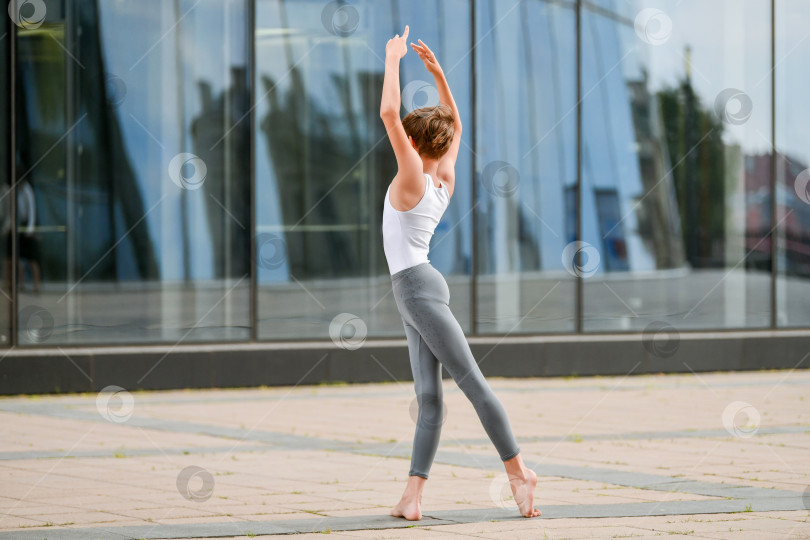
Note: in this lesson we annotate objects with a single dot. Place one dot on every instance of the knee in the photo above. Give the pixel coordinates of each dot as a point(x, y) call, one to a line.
point(431, 410)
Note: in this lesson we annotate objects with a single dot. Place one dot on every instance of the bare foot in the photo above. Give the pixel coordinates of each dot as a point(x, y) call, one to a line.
point(409, 508)
point(523, 491)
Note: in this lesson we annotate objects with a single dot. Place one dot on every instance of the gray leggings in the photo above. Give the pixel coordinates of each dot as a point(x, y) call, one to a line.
point(435, 339)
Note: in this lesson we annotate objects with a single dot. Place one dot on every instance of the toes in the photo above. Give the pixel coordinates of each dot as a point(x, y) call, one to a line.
point(534, 512)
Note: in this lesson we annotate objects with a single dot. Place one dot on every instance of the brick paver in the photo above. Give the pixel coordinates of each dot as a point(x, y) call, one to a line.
point(712, 455)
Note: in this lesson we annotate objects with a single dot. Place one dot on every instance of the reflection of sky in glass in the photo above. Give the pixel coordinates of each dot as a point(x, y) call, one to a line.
point(793, 142)
point(730, 42)
point(161, 70)
point(526, 117)
point(792, 74)
point(610, 161)
point(730, 48)
point(320, 57)
point(526, 114)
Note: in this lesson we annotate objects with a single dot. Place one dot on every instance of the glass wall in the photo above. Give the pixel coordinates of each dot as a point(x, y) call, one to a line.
point(676, 163)
point(792, 164)
point(323, 160)
point(134, 182)
point(525, 160)
point(155, 140)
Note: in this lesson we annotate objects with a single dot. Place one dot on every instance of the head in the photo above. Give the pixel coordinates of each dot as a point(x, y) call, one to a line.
point(430, 130)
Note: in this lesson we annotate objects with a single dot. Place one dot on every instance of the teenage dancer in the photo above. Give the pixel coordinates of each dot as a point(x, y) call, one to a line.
point(426, 144)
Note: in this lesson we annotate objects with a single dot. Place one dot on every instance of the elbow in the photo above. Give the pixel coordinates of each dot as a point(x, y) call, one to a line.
point(387, 113)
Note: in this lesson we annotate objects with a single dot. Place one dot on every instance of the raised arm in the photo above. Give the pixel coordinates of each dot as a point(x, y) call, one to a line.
point(447, 163)
point(408, 160)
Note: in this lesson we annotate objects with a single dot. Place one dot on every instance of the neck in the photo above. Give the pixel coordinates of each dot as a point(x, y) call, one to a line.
point(430, 165)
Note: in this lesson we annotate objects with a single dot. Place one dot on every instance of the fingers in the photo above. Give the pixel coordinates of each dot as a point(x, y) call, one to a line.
point(424, 51)
point(423, 54)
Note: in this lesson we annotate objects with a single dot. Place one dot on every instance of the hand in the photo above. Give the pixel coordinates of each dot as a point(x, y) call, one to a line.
point(428, 57)
point(396, 46)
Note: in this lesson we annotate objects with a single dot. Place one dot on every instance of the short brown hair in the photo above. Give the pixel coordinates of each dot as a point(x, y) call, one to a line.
point(431, 128)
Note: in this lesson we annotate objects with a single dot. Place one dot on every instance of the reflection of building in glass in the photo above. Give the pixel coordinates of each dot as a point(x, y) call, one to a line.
point(309, 160)
point(659, 223)
point(614, 245)
point(630, 206)
point(89, 216)
point(676, 201)
point(227, 186)
point(795, 213)
point(757, 204)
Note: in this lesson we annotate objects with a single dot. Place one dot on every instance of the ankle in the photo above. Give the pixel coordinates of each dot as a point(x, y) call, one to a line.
point(521, 474)
point(412, 493)
point(411, 496)
point(515, 468)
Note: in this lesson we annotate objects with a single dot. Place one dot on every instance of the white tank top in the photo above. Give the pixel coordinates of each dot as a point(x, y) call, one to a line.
point(406, 235)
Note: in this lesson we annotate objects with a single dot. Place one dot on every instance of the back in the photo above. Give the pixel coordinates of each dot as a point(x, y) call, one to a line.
point(407, 234)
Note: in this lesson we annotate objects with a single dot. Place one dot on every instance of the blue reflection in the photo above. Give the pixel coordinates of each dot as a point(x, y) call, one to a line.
point(109, 95)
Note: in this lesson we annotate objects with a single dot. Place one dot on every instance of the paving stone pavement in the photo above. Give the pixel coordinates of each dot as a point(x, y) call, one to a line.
point(709, 455)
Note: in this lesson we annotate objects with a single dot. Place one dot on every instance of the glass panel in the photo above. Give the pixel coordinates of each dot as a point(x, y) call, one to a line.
point(676, 164)
point(134, 150)
point(793, 164)
point(323, 160)
point(5, 181)
point(525, 166)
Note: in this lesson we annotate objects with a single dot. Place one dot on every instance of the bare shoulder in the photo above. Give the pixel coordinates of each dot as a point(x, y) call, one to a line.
point(406, 191)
